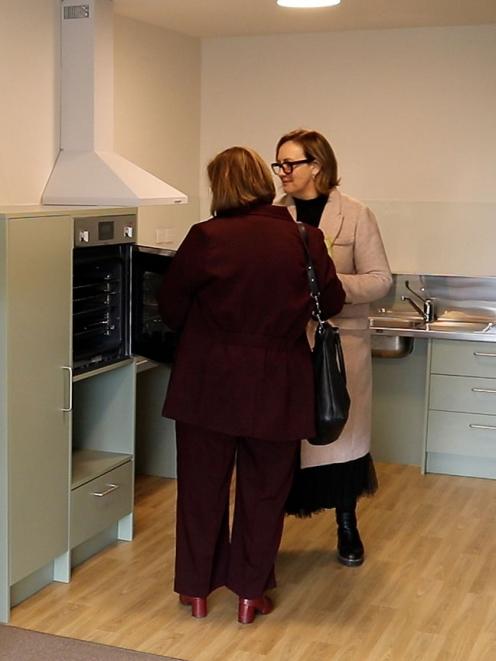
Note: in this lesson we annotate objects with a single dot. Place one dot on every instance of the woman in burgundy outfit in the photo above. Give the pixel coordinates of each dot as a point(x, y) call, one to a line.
point(241, 388)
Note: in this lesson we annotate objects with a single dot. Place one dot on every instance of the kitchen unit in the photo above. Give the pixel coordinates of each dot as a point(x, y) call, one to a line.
point(68, 386)
point(461, 417)
point(435, 403)
point(399, 405)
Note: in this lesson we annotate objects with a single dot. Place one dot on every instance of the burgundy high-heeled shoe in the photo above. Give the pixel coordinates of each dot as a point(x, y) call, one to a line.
point(198, 605)
point(248, 608)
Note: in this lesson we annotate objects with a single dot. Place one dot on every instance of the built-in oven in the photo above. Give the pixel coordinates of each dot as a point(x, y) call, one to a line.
point(115, 284)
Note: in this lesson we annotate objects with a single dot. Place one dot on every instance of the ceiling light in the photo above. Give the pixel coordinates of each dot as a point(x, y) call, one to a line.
point(308, 3)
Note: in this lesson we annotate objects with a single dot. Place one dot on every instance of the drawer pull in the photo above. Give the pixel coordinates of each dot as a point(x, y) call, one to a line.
point(491, 392)
point(483, 427)
point(105, 492)
point(485, 355)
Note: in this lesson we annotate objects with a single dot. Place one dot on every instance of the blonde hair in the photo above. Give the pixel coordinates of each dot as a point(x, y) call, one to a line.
point(239, 179)
point(317, 148)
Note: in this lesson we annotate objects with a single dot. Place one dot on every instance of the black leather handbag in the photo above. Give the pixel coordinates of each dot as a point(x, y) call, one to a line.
point(332, 401)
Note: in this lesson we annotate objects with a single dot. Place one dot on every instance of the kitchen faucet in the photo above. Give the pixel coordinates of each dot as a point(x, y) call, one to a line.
point(427, 309)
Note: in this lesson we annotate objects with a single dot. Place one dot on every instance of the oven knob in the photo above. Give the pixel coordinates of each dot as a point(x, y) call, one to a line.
point(84, 236)
point(128, 231)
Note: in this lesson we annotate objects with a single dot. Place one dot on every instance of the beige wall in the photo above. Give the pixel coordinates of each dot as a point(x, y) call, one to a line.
point(29, 123)
point(410, 114)
point(157, 118)
point(157, 108)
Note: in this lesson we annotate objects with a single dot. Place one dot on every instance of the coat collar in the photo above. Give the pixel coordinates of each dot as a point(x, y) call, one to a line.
point(332, 216)
point(273, 210)
point(264, 210)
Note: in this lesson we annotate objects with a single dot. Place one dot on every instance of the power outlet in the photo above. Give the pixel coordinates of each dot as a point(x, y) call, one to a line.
point(164, 235)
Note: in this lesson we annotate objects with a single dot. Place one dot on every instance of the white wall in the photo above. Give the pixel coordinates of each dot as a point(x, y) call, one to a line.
point(157, 108)
point(157, 118)
point(29, 120)
point(409, 112)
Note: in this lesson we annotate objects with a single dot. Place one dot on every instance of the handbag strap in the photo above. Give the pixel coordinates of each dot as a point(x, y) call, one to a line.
point(315, 294)
point(313, 283)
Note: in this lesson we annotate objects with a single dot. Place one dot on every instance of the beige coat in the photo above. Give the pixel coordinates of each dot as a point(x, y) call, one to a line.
point(356, 247)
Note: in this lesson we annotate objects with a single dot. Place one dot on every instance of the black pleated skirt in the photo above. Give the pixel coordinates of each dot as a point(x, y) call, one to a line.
point(331, 486)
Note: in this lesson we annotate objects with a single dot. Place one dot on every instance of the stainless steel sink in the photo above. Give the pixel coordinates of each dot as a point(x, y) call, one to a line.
point(391, 346)
point(439, 326)
point(393, 336)
point(395, 322)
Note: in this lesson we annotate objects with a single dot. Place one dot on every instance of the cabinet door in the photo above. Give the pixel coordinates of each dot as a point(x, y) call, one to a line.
point(39, 327)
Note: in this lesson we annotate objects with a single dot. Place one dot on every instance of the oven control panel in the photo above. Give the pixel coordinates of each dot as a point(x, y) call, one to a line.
point(104, 230)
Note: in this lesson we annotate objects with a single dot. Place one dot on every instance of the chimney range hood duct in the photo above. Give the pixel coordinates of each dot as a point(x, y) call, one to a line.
point(87, 171)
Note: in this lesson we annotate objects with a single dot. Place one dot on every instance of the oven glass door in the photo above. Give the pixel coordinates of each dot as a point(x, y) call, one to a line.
point(100, 306)
point(151, 338)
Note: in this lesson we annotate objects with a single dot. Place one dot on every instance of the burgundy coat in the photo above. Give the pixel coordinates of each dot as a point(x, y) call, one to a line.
point(237, 290)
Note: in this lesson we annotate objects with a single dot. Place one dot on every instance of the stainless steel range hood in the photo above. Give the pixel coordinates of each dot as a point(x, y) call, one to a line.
point(87, 170)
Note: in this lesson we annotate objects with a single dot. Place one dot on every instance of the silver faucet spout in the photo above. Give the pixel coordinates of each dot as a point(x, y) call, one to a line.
point(414, 305)
point(427, 311)
point(416, 294)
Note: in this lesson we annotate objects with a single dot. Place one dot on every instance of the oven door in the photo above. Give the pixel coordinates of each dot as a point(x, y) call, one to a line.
point(150, 337)
point(100, 306)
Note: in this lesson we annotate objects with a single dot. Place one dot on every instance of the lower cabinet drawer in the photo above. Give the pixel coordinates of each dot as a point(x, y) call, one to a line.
point(98, 504)
point(460, 358)
point(463, 394)
point(462, 434)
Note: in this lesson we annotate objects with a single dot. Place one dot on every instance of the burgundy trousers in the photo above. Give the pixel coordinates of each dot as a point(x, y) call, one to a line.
point(207, 556)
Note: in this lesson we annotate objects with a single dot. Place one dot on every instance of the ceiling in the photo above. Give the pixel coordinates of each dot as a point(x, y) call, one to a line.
point(216, 18)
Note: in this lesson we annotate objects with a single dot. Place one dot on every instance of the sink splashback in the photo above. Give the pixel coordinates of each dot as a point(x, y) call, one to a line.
point(454, 297)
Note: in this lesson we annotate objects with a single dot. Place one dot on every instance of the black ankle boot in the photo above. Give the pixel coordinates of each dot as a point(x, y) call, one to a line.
point(350, 547)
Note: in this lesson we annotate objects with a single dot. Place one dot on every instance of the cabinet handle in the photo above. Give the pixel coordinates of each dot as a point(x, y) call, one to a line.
point(491, 392)
point(69, 408)
point(105, 492)
point(483, 427)
point(485, 355)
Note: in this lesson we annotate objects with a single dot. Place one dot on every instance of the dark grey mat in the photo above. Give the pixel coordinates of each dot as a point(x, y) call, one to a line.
point(23, 645)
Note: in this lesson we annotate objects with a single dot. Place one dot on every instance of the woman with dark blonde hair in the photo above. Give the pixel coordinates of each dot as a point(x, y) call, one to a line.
point(241, 388)
point(335, 476)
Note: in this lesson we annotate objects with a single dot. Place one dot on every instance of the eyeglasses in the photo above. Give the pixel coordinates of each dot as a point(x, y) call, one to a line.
point(288, 166)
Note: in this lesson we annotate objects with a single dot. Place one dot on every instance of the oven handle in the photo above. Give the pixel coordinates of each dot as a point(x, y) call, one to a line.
point(69, 408)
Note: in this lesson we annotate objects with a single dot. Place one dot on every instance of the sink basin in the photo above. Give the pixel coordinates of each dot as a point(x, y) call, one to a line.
point(391, 346)
point(395, 322)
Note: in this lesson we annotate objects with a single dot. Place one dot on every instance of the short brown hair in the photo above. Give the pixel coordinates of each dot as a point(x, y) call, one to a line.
point(316, 147)
point(239, 179)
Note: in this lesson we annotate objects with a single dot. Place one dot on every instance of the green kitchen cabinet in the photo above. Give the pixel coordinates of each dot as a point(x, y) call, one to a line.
point(35, 384)
point(66, 443)
point(461, 420)
point(399, 406)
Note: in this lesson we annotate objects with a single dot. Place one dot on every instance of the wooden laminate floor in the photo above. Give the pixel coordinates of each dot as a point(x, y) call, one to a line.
point(427, 590)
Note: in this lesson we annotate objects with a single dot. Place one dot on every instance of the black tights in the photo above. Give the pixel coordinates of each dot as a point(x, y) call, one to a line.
point(347, 504)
